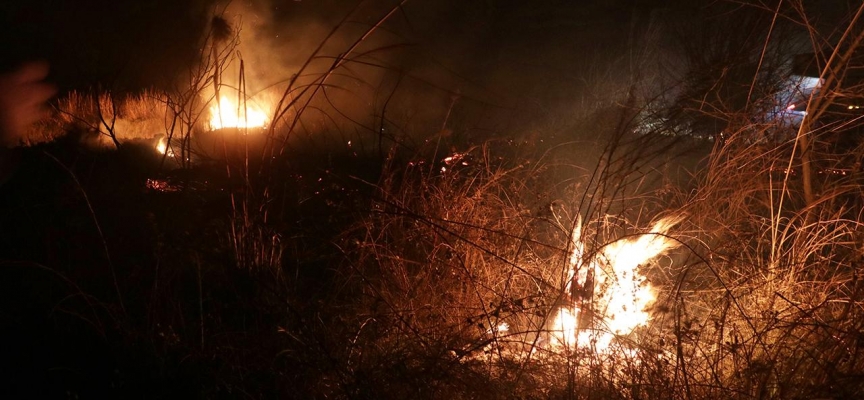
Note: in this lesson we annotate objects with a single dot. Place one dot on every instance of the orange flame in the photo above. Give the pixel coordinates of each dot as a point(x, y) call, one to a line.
point(162, 147)
point(226, 113)
point(621, 293)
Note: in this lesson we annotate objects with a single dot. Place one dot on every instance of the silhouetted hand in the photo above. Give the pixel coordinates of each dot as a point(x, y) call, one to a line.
point(22, 99)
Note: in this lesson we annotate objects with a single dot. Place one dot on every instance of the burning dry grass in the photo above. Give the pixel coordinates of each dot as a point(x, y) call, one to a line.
point(530, 275)
point(101, 118)
point(479, 266)
point(750, 296)
point(152, 118)
point(230, 113)
point(489, 273)
point(771, 305)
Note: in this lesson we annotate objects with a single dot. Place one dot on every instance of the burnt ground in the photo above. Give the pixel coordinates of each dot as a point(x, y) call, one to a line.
point(113, 289)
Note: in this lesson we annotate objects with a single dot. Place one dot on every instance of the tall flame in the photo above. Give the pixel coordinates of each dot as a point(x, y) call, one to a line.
point(226, 113)
point(619, 293)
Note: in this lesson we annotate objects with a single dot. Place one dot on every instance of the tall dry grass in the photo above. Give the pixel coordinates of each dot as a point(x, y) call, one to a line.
point(452, 270)
point(461, 264)
point(761, 300)
point(102, 118)
point(767, 302)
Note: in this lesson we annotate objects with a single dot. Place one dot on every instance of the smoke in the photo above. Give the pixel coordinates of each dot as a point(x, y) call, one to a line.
point(291, 43)
point(477, 69)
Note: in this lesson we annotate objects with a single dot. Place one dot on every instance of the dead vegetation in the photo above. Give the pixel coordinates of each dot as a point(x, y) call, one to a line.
point(441, 274)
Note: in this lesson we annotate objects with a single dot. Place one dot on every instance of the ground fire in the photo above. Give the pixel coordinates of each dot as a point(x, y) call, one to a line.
point(607, 291)
point(227, 113)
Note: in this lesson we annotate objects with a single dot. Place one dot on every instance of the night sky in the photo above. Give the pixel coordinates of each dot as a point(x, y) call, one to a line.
point(551, 54)
point(132, 44)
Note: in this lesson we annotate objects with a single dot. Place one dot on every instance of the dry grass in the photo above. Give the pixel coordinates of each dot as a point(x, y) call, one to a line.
point(99, 117)
point(760, 301)
point(466, 267)
point(452, 270)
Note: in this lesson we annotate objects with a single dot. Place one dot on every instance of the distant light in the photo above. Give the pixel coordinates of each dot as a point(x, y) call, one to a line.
point(809, 82)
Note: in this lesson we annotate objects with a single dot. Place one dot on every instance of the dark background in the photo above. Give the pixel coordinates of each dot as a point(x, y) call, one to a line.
point(134, 44)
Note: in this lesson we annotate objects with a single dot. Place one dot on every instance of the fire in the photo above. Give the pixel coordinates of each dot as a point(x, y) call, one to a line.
point(162, 147)
point(226, 113)
point(566, 327)
point(611, 284)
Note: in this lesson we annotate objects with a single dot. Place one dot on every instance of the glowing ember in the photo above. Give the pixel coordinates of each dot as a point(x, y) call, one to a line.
point(226, 113)
point(611, 285)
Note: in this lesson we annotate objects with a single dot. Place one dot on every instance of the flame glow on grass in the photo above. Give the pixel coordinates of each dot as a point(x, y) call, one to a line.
point(226, 113)
point(611, 284)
